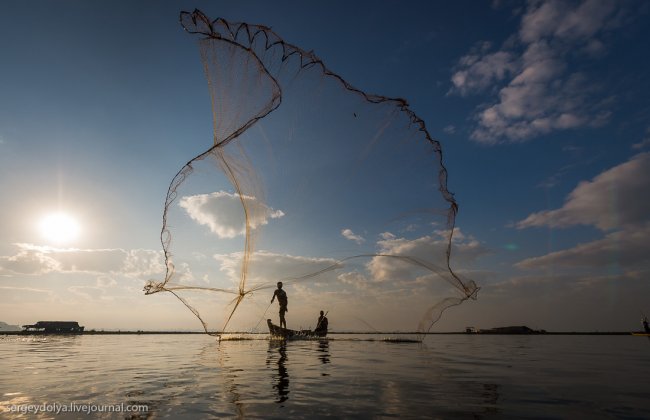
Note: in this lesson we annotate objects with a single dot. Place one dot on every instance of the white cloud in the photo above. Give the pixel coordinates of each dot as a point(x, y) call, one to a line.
point(386, 235)
point(643, 143)
point(450, 129)
point(348, 234)
point(143, 263)
point(27, 262)
point(567, 21)
point(37, 260)
point(627, 249)
point(105, 281)
point(268, 267)
point(354, 278)
point(536, 95)
point(541, 21)
point(479, 70)
point(223, 212)
point(613, 199)
point(364, 273)
point(430, 248)
point(585, 21)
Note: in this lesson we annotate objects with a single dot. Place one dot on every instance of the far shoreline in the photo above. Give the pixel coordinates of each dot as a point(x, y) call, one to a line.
point(119, 332)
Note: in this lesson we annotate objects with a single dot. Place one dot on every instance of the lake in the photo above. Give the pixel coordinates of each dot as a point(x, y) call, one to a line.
point(445, 376)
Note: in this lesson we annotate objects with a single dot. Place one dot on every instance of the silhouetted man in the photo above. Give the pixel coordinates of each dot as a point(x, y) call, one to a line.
point(321, 326)
point(283, 301)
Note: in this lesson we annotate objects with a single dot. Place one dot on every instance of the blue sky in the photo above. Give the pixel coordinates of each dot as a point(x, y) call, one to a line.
point(541, 109)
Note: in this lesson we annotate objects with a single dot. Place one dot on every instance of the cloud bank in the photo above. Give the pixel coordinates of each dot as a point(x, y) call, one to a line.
point(615, 202)
point(613, 199)
point(36, 260)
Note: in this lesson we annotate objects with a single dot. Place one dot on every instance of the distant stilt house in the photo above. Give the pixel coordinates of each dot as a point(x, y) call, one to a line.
point(54, 327)
point(521, 329)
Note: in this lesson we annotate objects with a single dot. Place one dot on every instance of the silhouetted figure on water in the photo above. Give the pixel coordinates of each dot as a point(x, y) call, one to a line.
point(283, 301)
point(322, 324)
point(645, 324)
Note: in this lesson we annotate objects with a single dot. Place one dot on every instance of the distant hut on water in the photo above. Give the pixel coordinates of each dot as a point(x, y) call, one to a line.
point(54, 327)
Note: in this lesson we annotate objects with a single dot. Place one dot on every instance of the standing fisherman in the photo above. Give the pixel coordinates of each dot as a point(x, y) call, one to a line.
point(283, 301)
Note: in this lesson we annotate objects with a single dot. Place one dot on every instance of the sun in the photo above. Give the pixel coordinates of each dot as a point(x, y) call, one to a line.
point(59, 228)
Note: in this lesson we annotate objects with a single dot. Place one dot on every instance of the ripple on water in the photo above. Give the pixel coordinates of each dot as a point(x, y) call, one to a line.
point(343, 376)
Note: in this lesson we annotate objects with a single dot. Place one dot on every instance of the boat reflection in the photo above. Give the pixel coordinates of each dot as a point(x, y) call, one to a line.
point(277, 357)
point(277, 354)
point(324, 352)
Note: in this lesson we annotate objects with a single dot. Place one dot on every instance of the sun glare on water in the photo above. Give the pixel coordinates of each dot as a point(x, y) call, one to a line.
point(59, 228)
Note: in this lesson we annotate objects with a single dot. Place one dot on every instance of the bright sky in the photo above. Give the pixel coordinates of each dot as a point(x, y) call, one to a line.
point(541, 109)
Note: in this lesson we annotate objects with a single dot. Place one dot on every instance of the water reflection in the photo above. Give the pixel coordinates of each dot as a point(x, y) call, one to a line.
point(324, 350)
point(454, 376)
point(230, 362)
point(278, 350)
point(490, 396)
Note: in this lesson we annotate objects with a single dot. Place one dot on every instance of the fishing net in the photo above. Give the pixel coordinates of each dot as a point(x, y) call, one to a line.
point(339, 194)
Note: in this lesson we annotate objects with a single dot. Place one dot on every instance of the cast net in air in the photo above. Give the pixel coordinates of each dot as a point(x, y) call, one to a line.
point(339, 194)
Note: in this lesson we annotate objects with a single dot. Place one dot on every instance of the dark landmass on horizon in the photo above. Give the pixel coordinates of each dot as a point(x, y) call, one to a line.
point(119, 332)
point(510, 330)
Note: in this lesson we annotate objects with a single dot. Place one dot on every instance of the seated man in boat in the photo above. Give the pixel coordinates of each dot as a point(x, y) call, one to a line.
point(322, 324)
point(283, 301)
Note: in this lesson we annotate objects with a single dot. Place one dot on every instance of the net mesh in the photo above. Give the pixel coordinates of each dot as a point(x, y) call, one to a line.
point(339, 194)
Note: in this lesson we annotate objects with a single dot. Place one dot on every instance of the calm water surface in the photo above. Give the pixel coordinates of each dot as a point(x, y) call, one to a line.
point(446, 376)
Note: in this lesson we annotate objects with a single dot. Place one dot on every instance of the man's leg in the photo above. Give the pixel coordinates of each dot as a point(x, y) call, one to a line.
point(283, 322)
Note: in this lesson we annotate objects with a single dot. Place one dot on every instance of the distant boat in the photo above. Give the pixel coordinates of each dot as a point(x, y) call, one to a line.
point(54, 327)
point(277, 331)
point(646, 327)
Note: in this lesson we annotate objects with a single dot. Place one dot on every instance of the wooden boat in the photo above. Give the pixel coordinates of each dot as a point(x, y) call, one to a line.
point(277, 331)
point(646, 327)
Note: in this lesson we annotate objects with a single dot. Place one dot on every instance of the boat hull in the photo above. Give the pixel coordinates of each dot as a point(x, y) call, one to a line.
point(277, 331)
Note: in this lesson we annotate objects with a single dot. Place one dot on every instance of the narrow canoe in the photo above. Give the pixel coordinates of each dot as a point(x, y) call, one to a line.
point(277, 331)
